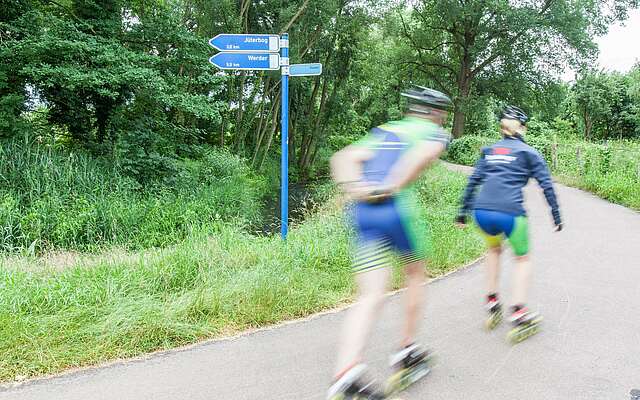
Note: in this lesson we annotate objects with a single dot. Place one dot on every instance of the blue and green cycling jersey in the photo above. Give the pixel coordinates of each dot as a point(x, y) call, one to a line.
point(396, 223)
point(393, 139)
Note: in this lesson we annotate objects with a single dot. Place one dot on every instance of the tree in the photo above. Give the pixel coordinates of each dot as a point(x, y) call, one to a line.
point(592, 105)
point(458, 44)
point(136, 87)
point(605, 105)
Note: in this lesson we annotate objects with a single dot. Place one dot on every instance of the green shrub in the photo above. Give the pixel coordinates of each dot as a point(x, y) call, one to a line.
point(466, 150)
point(52, 199)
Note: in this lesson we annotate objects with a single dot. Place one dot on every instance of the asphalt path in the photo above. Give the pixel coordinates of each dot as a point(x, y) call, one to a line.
point(586, 285)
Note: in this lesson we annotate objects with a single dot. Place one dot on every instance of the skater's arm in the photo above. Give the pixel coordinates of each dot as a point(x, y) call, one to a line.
point(346, 169)
point(540, 172)
point(475, 180)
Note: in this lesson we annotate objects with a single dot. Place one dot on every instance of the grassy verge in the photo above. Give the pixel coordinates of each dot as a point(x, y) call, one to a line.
point(611, 170)
point(98, 308)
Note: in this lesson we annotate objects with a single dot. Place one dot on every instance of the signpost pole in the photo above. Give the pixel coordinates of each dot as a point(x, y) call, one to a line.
point(260, 52)
point(284, 158)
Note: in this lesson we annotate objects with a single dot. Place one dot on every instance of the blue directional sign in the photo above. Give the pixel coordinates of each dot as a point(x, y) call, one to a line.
point(260, 52)
point(254, 43)
point(246, 61)
point(305, 69)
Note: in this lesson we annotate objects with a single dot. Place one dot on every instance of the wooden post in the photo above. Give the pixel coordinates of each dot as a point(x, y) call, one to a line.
point(580, 161)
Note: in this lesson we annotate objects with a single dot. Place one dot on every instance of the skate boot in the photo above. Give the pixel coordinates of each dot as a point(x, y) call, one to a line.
point(525, 324)
point(350, 386)
point(494, 308)
point(410, 365)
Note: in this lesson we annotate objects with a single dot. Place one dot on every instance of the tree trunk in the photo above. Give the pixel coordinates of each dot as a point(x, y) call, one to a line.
point(260, 123)
point(306, 135)
point(102, 113)
point(240, 103)
point(224, 122)
point(464, 88)
point(248, 116)
point(304, 162)
point(588, 124)
point(292, 137)
point(274, 112)
point(274, 128)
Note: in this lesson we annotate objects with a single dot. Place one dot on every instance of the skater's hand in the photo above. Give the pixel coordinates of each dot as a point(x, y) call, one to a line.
point(368, 192)
point(379, 193)
point(461, 221)
point(355, 191)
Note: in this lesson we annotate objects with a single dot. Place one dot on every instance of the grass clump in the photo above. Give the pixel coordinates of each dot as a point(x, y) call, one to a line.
point(104, 307)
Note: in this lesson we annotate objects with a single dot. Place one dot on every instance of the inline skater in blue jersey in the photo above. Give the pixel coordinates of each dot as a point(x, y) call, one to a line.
point(502, 171)
point(376, 174)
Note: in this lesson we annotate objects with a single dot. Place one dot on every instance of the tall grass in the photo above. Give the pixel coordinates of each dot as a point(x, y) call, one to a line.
point(64, 200)
point(112, 306)
point(611, 170)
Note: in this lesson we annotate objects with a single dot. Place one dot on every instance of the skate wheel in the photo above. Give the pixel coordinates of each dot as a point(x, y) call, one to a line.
point(519, 334)
point(395, 383)
point(398, 382)
point(493, 321)
point(404, 378)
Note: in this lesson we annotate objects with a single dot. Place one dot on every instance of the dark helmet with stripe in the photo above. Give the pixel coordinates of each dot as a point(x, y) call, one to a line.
point(513, 112)
point(422, 96)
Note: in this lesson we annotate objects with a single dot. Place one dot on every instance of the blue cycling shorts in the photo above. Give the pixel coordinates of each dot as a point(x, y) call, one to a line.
point(394, 225)
point(496, 225)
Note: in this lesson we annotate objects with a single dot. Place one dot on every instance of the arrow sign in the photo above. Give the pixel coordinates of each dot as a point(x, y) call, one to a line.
point(237, 42)
point(247, 61)
point(305, 69)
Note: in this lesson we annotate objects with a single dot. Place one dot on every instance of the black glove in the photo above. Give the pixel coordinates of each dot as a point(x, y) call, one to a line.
point(556, 219)
point(461, 219)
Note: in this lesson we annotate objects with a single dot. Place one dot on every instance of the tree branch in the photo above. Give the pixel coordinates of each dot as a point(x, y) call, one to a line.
point(70, 11)
point(437, 46)
point(296, 16)
point(431, 75)
point(509, 40)
point(312, 41)
point(420, 48)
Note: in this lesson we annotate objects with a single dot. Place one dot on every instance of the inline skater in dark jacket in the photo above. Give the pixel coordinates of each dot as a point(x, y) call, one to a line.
point(501, 173)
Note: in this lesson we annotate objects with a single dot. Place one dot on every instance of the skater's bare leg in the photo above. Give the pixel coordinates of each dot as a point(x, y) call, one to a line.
point(493, 268)
point(372, 286)
point(522, 280)
point(414, 299)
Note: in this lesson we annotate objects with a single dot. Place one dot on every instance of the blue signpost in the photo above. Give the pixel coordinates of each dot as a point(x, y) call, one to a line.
point(284, 156)
point(239, 42)
point(305, 69)
point(260, 52)
point(246, 61)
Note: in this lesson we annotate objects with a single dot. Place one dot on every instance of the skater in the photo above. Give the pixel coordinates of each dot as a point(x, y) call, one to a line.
point(376, 174)
point(503, 169)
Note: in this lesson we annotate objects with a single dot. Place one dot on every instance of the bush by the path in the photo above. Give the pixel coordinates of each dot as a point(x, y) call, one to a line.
point(102, 307)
